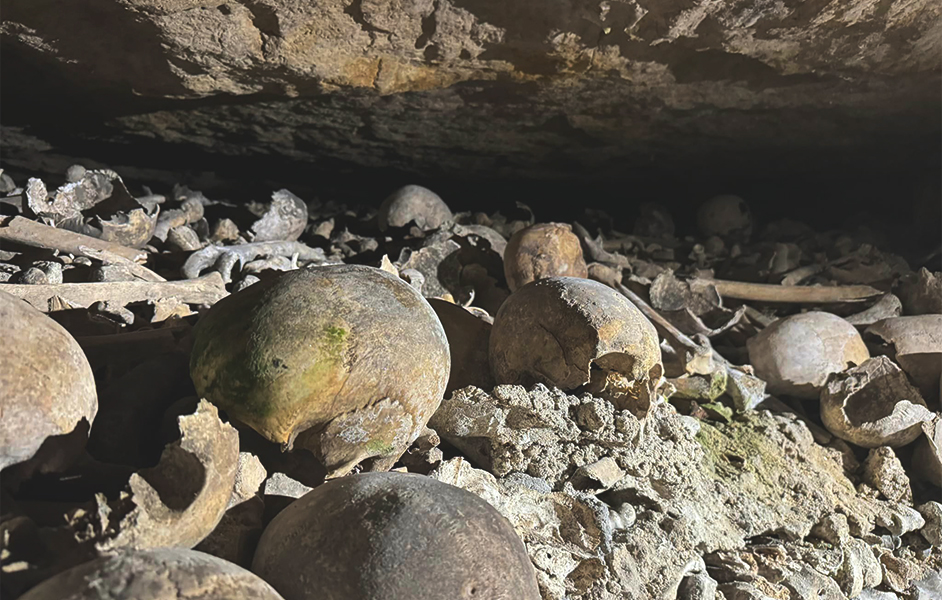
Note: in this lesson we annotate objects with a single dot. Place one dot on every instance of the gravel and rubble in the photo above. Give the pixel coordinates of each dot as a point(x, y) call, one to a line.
point(768, 427)
point(756, 491)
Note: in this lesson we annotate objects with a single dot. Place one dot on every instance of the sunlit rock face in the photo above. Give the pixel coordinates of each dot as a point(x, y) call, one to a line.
point(535, 88)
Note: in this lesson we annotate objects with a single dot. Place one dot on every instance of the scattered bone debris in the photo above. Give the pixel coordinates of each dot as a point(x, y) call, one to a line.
point(229, 397)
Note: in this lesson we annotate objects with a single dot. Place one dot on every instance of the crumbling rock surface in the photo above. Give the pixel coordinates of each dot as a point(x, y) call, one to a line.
point(477, 86)
point(747, 495)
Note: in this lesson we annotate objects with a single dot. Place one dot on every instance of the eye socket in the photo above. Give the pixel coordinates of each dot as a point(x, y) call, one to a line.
point(471, 590)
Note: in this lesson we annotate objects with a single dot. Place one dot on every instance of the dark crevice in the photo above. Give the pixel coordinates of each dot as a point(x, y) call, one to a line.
point(264, 17)
point(429, 27)
point(187, 67)
point(355, 10)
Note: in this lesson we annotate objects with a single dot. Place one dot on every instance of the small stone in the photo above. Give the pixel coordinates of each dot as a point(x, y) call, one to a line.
point(900, 519)
point(899, 573)
point(280, 484)
point(697, 586)
point(932, 512)
point(929, 587)
point(52, 269)
point(622, 423)
point(859, 569)
point(884, 472)
point(75, 173)
point(7, 184)
point(593, 415)
point(115, 272)
point(423, 455)
point(876, 595)
point(225, 230)
point(522, 480)
point(740, 590)
point(833, 529)
point(249, 478)
point(623, 517)
point(702, 388)
point(33, 276)
point(809, 584)
point(746, 390)
point(598, 476)
point(183, 239)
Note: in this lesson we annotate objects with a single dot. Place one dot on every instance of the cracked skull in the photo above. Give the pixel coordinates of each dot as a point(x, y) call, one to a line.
point(568, 333)
point(347, 361)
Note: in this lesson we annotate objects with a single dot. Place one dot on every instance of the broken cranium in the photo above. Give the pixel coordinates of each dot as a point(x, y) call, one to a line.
point(540, 251)
point(180, 501)
point(915, 343)
point(873, 405)
point(284, 220)
point(568, 332)
point(797, 354)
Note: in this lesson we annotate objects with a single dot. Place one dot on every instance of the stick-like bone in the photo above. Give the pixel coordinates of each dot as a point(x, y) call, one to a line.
point(698, 359)
point(770, 292)
point(37, 235)
point(205, 290)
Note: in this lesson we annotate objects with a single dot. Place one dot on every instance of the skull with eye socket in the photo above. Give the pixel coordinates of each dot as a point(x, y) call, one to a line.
point(577, 334)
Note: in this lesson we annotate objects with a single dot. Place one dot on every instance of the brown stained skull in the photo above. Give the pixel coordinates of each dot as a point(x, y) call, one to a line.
point(543, 250)
point(46, 388)
point(348, 362)
point(726, 216)
point(568, 333)
point(797, 354)
point(413, 204)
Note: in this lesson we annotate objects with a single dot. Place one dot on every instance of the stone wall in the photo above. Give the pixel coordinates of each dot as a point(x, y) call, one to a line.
point(528, 88)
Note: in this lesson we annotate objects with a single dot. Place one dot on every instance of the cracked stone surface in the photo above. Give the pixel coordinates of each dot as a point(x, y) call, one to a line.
point(757, 499)
point(529, 88)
